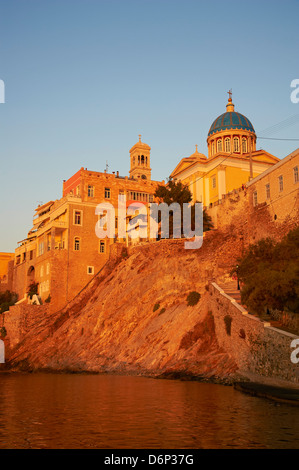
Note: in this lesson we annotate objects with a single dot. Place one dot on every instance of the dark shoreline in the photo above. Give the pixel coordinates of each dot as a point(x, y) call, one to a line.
point(278, 394)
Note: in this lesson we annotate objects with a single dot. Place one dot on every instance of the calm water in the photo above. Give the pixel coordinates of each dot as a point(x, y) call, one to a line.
point(117, 412)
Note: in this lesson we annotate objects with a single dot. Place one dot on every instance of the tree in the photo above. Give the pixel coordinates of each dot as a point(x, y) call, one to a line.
point(7, 299)
point(269, 272)
point(177, 192)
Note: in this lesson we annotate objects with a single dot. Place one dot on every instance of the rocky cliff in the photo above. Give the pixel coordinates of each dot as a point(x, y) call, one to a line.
point(134, 318)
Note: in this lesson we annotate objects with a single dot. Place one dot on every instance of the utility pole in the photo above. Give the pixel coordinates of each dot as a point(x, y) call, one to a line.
point(250, 160)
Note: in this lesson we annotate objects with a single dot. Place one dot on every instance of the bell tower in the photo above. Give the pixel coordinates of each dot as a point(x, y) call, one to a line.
point(140, 161)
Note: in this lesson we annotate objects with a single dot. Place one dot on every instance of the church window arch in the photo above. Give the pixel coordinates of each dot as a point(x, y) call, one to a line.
point(227, 144)
point(213, 148)
point(236, 144)
point(219, 145)
point(244, 145)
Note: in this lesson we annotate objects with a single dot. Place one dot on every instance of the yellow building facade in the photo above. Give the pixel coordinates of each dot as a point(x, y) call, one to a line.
point(232, 159)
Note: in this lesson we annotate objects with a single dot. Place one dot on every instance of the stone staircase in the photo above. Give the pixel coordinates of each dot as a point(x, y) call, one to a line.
point(231, 289)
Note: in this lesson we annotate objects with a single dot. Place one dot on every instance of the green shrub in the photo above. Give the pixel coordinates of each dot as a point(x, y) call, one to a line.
point(242, 334)
point(7, 299)
point(193, 298)
point(156, 307)
point(33, 289)
point(3, 332)
point(228, 324)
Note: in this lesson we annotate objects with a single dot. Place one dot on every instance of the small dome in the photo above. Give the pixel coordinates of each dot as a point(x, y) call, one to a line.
point(230, 120)
point(196, 155)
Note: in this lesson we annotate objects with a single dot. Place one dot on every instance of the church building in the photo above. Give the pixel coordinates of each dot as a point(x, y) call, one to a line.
point(232, 159)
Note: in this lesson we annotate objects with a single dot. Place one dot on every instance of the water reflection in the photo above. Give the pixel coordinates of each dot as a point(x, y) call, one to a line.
point(117, 412)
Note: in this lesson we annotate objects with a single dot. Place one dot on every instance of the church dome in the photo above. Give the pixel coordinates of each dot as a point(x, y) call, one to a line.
point(230, 120)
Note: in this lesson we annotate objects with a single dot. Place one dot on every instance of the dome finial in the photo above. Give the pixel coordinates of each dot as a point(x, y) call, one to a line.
point(196, 148)
point(230, 107)
point(139, 135)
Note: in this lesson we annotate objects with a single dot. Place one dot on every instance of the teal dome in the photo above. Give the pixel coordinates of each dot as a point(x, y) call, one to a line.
point(231, 120)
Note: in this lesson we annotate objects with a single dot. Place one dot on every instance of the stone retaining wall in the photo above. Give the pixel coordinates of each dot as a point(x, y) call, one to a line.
point(255, 345)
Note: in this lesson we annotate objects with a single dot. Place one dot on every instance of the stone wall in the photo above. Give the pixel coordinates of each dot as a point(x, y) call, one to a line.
point(20, 319)
point(288, 319)
point(255, 345)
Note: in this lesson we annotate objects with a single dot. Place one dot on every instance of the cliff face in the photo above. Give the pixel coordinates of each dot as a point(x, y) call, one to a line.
point(133, 317)
point(113, 325)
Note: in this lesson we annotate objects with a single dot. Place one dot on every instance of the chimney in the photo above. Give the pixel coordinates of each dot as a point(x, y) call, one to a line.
point(117, 174)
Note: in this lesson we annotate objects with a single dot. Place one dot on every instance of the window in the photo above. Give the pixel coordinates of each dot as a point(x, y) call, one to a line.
point(254, 198)
point(296, 176)
point(90, 269)
point(48, 269)
point(219, 145)
point(31, 254)
point(213, 148)
point(107, 193)
point(280, 182)
point(77, 217)
point(24, 256)
point(213, 182)
point(90, 191)
point(227, 144)
point(77, 244)
point(18, 259)
point(102, 247)
point(268, 191)
point(40, 248)
point(236, 144)
point(244, 145)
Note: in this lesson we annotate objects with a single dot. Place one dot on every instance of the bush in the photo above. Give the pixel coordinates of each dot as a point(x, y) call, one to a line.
point(228, 324)
point(156, 307)
point(270, 275)
point(242, 334)
point(193, 298)
point(3, 332)
point(7, 299)
point(33, 289)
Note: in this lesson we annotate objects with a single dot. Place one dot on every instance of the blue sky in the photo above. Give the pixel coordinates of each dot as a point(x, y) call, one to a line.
point(84, 77)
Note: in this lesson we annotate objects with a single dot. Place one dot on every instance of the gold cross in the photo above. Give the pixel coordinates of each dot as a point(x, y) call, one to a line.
point(230, 92)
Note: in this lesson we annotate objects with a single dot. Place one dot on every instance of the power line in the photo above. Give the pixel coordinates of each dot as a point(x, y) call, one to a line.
point(275, 138)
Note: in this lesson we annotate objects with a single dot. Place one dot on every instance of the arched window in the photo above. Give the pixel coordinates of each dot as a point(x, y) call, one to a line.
point(219, 145)
point(213, 148)
point(138, 159)
point(236, 144)
point(227, 144)
point(133, 160)
point(244, 145)
point(146, 161)
point(77, 244)
point(142, 159)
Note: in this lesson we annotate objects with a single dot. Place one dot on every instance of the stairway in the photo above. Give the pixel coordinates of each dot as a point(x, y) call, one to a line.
point(231, 289)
